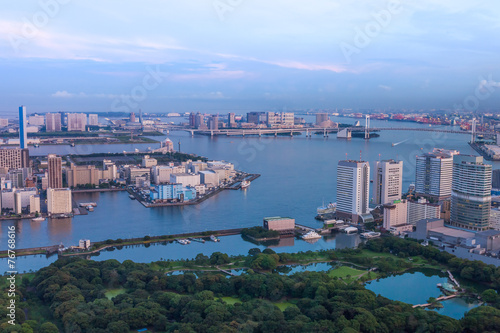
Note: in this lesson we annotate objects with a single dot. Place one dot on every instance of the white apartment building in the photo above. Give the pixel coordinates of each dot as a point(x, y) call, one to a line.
point(59, 201)
point(353, 186)
point(185, 179)
point(77, 122)
point(422, 210)
point(395, 214)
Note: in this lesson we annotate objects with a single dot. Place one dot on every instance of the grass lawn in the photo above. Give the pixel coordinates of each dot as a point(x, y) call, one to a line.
point(371, 254)
point(283, 305)
point(110, 293)
point(343, 271)
point(230, 300)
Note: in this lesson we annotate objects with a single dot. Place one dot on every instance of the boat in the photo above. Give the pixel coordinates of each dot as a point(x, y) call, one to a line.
point(36, 145)
point(38, 219)
point(245, 184)
point(183, 241)
point(90, 208)
point(328, 209)
point(311, 235)
point(131, 197)
point(72, 144)
point(214, 239)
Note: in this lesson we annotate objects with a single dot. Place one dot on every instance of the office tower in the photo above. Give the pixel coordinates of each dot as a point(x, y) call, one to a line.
point(471, 193)
point(132, 117)
point(256, 117)
point(353, 185)
point(15, 158)
point(77, 122)
point(321, 118)
point(434, 173)
point(388, 181)
point(230, 120)
point(53, 122)
point(59, 201)
point(55, 171)
point(93, 120)
point(192, 120)
point(214, 122)
point(23, 135)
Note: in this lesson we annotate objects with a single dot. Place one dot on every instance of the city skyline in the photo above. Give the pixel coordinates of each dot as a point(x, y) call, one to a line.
point(394, 54)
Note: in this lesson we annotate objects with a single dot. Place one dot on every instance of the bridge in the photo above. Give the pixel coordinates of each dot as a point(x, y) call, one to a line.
point(309, 131)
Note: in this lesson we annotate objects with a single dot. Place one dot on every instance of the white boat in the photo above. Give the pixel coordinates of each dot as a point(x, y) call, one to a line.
point(214, 239)
point(311, 235)
point(38, 219)
point(245, 184)
point(183, 241)
point(328, 209)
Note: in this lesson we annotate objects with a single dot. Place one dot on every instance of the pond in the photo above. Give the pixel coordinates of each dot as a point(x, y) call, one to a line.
point(416, 287)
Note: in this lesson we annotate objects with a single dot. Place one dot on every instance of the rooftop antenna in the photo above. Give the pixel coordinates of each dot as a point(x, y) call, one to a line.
point(346, 157)
point(179, 145)
point(379, 157)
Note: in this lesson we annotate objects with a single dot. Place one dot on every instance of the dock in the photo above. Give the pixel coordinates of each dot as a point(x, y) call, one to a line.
point(442, 298)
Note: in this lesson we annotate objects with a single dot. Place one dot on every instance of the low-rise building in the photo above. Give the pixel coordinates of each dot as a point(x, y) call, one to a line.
point(35, 204)
point(148, 162)
point(185, 179)
point(84, 243)
point(395, 214)
point(209, 177)
point(161, 173)
point(278, 223)
point(422, 209)
point(172, 192)
point(9, 198)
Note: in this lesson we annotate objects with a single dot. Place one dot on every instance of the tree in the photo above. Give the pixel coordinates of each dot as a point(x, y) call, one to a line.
point(48, 327)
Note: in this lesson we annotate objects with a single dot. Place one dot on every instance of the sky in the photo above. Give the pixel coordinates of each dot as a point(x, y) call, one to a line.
point(243, 55)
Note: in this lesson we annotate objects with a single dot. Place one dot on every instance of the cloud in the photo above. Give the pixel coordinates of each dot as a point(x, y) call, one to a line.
point(65, 94)
point(383, 87)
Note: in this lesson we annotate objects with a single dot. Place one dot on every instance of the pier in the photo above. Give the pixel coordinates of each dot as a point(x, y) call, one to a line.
point(442, 298)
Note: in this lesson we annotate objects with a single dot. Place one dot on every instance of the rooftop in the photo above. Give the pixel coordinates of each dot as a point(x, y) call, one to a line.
point(487, 233)
point(453, 232)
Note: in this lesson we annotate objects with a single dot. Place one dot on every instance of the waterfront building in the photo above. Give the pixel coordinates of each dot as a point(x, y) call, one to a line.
point(36, 120)
point(231, 122)
point(209, 178)
point(54, 171)
point(280, 119)
point(388, 181)
point(77, 122)
point(278, 223)
point(148, 162)
point(353, 186)
point(196, 166)
point(172, 192)
point(192, 120)
point(185, 179)
point(9, 199)
point(59, 201)
point(14, 158)
point(321, 118)
point(23, 134)
point(422, 209)
point(256, 118)
point(4, 122)
point(199, 121)
point(93, 119)
point(84, 243)
point(395, 214)
point(53, 122)
point(434, 174)
point(82, 175)
point(35, 204)
point(471, 193)
point(142, 182)
point(109, 170)
point(213, 123)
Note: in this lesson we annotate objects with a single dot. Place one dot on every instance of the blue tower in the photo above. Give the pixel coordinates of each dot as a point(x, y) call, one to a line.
point(23, 136)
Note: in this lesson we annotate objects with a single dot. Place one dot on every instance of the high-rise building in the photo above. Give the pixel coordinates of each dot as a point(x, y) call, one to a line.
point(280, 119)
point(321, 118)
point(230, 120)
point(15, 158)
point(192, 120)
point(82, 175)
point(434, 173)
point(132, 117)
point(256, 117)
point(53, 122)
point(388, 181)
point(353, 188)
point(35, 204)
point(55, 171)
point(77, 122)
point(214, 122)
point(59, 201)
point(495, 180)
point(93, 119)
point(23, 135)
point(199, 120)
point(471, 193)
